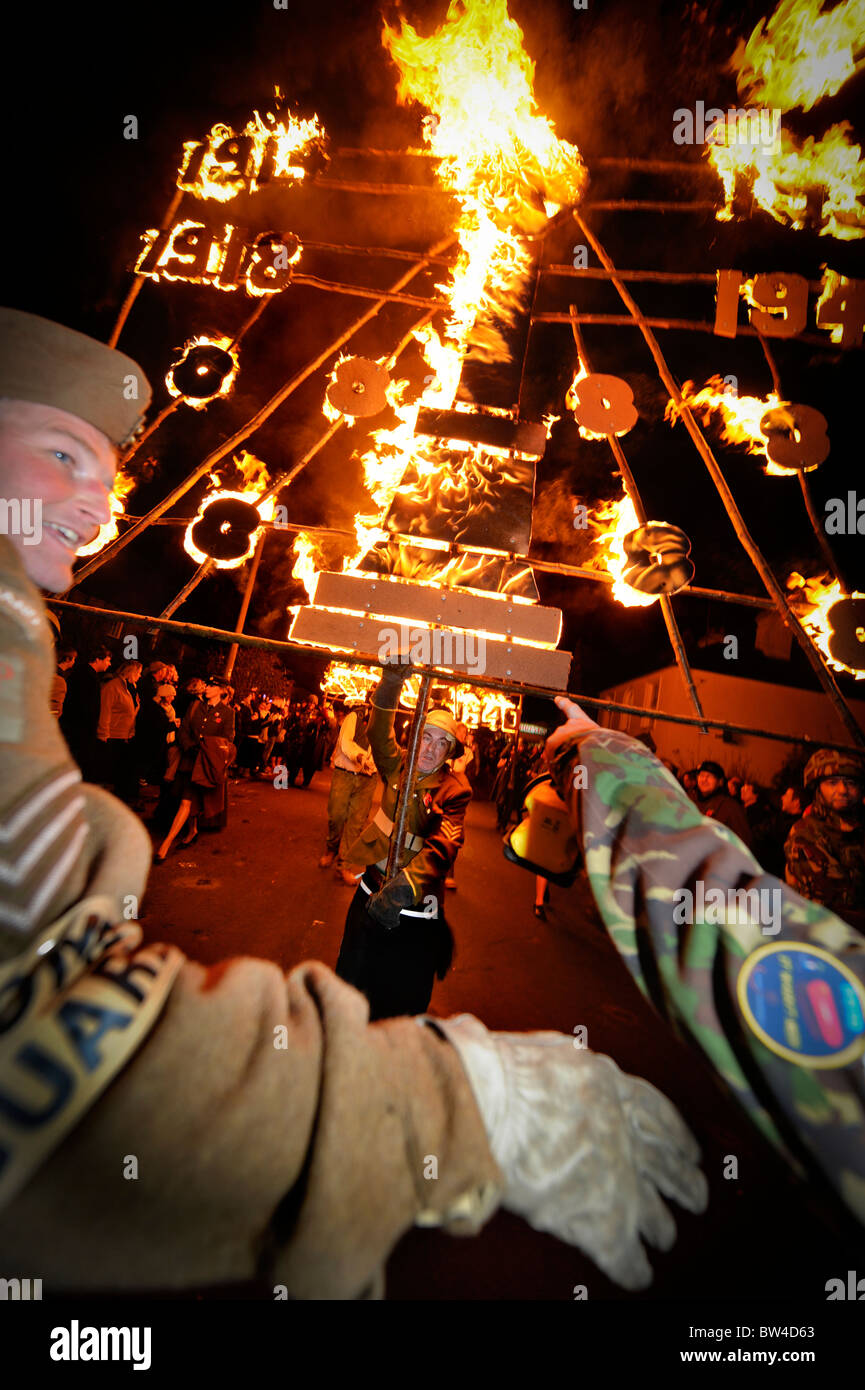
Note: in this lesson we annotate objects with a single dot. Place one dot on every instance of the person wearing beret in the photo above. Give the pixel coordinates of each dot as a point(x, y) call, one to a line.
point(280, 1135)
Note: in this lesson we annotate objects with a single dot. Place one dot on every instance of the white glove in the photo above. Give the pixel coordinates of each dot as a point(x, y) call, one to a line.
point(584, 1148)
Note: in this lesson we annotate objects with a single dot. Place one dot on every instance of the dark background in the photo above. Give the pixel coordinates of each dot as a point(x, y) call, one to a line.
point(610, 77)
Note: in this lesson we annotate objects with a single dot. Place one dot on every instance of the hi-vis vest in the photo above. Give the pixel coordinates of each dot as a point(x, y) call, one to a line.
point(360, 736)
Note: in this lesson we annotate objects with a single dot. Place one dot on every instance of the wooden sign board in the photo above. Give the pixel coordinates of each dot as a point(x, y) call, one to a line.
point(459, 653)
point(431, 603)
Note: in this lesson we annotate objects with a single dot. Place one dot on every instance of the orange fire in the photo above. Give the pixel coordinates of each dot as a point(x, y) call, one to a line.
point(811, 600)
point(612, 558)
point(508, 173)
point(800, 54)
point(255, 476)
point(267, 149)
point(471, 706)
point(123, 485)
point(741, 416)
point(205, 340)
point(792, 60)
point(308, 561)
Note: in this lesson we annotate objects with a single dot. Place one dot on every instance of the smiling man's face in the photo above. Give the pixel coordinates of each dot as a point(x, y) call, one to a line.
point(64, 465)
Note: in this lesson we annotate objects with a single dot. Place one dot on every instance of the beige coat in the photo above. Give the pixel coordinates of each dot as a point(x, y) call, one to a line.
point(277, 1133)
point(117, 710)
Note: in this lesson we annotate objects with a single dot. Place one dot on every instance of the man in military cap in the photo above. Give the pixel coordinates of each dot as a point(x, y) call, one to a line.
point(825, 850)
point(280, 1136)
point(396, 939)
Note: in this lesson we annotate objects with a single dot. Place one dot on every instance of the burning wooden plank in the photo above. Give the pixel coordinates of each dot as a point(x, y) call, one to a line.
point(431, 604)
point(449, 651)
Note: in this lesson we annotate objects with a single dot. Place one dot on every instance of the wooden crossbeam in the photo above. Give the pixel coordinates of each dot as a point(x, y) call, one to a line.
point(382, 596)
point(494, 660)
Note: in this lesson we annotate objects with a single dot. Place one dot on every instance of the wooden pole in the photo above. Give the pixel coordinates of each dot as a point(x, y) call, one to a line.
point(677, 325)
point(644, 166)
point(244, 607)
point(397, 839)
point(548, 566)
point(387, 252)
point(771, 584)
point(138, 280)
point(241, 435)
point(271, 644)
point(661, 277)
point(366, 292)
point(630, 485)
point(157, 420)
point(204, 569)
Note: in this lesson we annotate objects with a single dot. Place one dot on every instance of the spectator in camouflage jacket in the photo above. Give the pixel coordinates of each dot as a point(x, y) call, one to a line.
point(825, 850)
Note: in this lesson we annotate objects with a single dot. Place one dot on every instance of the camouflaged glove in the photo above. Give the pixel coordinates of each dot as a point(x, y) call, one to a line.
point(585, 1149)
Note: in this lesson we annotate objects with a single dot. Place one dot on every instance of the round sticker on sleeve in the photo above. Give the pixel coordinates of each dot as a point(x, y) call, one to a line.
point(803, 1004)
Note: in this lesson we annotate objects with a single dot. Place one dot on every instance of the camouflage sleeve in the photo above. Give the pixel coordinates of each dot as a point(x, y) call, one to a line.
point(652, 861)
point(384, 747)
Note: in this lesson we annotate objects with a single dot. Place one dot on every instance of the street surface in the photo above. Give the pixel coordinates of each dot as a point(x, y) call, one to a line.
point(256, 889)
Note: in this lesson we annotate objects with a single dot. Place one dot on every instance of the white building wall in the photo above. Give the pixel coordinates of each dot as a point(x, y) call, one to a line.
point(738, 700)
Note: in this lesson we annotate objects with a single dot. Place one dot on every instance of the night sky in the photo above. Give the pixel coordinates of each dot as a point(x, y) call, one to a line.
point(610, 78)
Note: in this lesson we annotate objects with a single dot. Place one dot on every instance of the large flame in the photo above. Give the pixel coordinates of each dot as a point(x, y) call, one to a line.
point(473, 707)
point(741, 416)
point(497, 154)
point(799, 54)
point(811, 600)
point(611, 557)
point(508, 173)
point(123, 485)
point(792, 60)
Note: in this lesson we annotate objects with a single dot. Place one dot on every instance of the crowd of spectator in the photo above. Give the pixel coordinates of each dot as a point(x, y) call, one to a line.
point(808, 830)
point(168, 750)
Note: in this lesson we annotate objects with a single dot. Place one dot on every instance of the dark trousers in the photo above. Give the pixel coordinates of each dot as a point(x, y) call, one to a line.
point(394, 968)
point(121, 767)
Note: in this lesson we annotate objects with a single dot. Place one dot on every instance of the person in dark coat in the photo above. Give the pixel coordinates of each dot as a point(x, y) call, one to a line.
point(193, 690)
point(155, 731)
point(254, 719)
point(714, 801)
point(205, 719)
point(79, 719)
point(65, 657)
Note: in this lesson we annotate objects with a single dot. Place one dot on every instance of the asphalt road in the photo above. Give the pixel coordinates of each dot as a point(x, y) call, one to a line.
point(255, 889)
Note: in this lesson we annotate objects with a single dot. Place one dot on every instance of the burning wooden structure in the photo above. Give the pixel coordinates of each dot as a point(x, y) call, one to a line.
point(443, 555)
